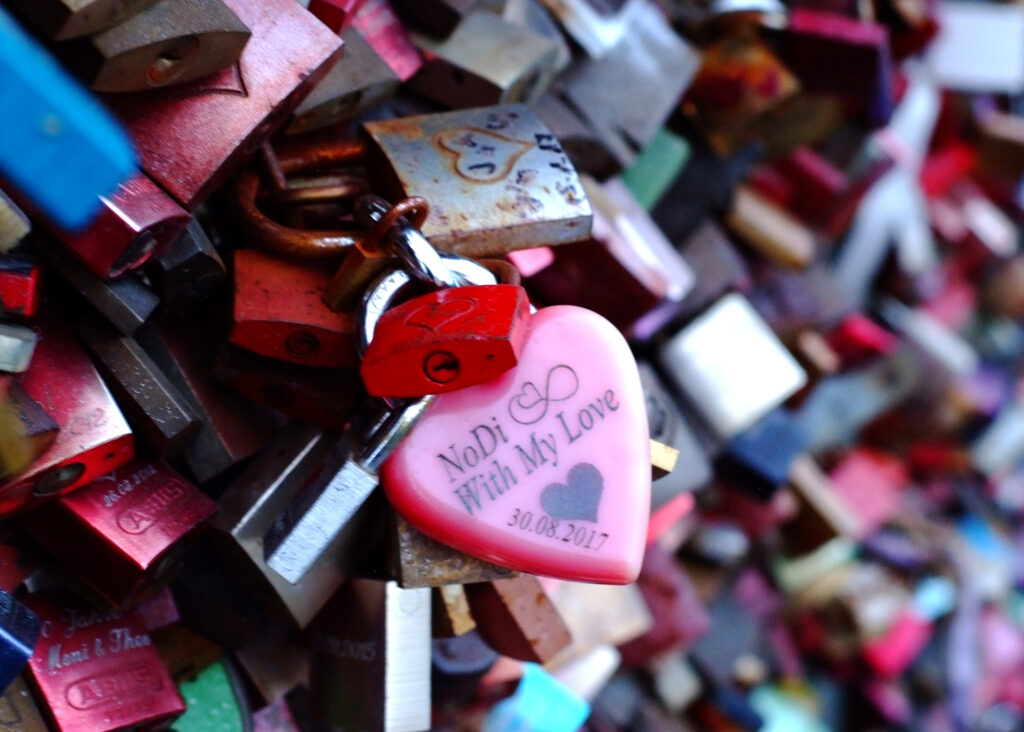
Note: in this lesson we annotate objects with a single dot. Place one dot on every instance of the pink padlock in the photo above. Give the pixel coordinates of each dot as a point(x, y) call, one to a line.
point(545, 469)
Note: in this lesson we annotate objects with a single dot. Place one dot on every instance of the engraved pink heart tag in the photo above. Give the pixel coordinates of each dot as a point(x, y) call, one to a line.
point(545, 469)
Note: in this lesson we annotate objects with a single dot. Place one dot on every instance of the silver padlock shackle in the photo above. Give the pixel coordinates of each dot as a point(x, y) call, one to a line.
point(387, 288)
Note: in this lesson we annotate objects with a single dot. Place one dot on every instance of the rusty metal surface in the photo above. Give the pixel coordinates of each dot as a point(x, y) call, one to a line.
point(417, 560)
point(192, 136)
point(307, 154)
point(496, 179)
point(517, 619)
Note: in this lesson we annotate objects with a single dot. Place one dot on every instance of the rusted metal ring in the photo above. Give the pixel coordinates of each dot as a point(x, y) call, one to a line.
point(414, 209)
point(264, 231)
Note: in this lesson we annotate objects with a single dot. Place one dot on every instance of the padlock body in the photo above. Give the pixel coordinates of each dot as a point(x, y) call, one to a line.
point(190, 140)
point(172, 42)
point(98, 671)
point(446, 340)
point(134, 222)
point(279, 313)
point(63, 19)
point(496, 179)
point(123, 530)
point(94, 437)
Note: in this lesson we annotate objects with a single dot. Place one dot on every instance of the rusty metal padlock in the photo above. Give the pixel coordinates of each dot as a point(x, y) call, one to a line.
point(496, 177)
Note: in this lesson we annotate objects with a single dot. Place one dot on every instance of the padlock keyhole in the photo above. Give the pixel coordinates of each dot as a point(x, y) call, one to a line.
point(172, 61)
point(58, 479)
point(441, 367)
point(302, 344)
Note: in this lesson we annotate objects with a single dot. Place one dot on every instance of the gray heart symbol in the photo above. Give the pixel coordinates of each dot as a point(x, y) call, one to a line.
point(579, 498)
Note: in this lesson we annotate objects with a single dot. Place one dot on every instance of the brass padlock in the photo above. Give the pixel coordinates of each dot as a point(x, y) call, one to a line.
point(496, 179)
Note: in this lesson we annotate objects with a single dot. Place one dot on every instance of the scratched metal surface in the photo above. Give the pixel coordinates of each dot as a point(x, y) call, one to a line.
point(496, 179)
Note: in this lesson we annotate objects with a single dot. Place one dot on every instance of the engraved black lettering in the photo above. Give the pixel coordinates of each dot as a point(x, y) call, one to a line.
point(486, 440)
point(469, 495)
point(535, 458)
point(568, 432)
point(452, 462)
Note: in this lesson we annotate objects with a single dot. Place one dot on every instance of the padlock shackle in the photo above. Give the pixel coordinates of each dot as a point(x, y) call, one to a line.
point(387, 288)
point(379, 445)
point(293, 159)
point(304, 156)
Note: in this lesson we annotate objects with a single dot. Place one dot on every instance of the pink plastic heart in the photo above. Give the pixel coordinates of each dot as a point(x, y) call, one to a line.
point(545, 469)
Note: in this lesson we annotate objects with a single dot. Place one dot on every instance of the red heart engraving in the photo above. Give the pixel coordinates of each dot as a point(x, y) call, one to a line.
point(433, 316)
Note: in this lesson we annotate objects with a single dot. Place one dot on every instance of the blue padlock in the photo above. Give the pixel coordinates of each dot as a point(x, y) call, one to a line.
point(58, 147)
point(19, 630)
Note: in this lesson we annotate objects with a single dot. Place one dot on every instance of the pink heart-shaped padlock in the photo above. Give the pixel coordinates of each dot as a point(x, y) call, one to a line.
point(545, 469)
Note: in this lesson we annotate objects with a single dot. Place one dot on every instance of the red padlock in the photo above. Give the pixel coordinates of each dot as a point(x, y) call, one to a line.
point(325, 397)
point(378, 24)
point(857, 338)
point(335, 14)
point(20, 292)
point(136, 220)
point(98, 671)
point(94, 437)
point(279, 312)
point(192, 136)
point(446, 340)
point(122, 532)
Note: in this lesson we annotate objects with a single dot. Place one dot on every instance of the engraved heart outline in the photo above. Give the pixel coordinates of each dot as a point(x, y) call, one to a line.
point(579, 498)
point(433, 316)
point(475, 161)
